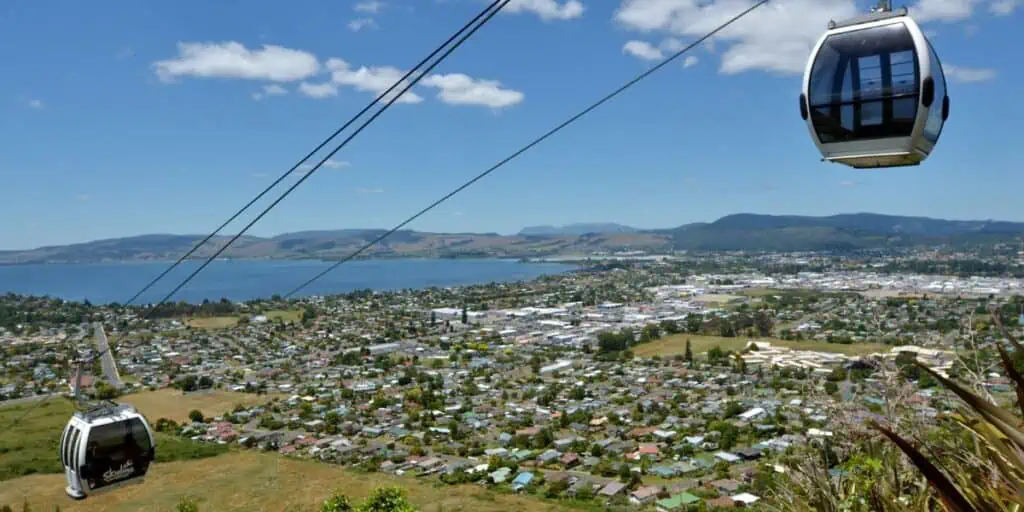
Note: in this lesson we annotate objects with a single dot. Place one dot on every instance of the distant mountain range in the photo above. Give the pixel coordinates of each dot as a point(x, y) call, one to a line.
point(578, 229)
point(745, 231)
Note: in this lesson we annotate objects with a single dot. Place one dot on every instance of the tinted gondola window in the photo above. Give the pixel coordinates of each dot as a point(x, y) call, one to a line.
point(865, 84)
point(933, 125)
point(139, 436)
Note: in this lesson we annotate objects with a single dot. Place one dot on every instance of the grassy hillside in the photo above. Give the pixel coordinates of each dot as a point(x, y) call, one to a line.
point(30, 446)
point(250, 481)
point(218, 478)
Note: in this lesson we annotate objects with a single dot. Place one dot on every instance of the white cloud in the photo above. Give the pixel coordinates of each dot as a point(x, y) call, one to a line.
point(360, 23)
point(848, 183)
point(82, 197)
point(368, 191)
point(690, 61)
point(375, 79)
point(279, 64)
point(1003, 7)
point(233, 60)
point(964, 74)
point(259, 175)
point(34, 103)
point(671, 44)
point(459, 89)
point(547, 9)
point(269, 90)
point(776, 37)
point(335, 164)
point(941, 10)
point(318, 91)
point(643, 50)
point(369, 6)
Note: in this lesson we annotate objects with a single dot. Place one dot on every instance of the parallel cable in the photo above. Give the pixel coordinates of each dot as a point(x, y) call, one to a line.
point(462, 36)
point(462, 187)
point(527, 147)
point(501, 4)
point(314, 151)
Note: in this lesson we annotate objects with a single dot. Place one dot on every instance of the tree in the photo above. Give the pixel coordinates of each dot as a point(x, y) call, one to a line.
point(187, 504)
point(336, 503)
point(105, 391)
point(715, 353)
point(465, 315)
point(433, 318)
point(831, 388)
point(624, 473)
point(386, 499)
point(689, 352)
point(195, 415)
point(764, 323)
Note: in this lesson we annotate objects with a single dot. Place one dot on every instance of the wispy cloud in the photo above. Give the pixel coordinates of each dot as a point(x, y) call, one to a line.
point(849, 183)
point(963, 74)
point(34, 103)
point(369, 191)
point(370, 6)
point(360, 23)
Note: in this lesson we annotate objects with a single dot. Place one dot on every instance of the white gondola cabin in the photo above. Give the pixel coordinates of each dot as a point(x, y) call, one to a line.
point(105, 448)
point(874, 94)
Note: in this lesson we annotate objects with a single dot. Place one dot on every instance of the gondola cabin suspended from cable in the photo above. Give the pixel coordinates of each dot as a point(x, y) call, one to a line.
point(105, 448)
point(874, 94)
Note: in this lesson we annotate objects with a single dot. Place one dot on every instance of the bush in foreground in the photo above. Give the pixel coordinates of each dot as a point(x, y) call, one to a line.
point(383, 499)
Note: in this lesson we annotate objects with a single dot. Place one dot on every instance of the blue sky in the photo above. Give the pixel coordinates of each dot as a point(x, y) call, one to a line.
point(124, 117)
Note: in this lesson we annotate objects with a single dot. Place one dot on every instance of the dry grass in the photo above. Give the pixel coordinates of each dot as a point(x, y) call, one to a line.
point(676, 344)
point(286, 315)
point(211, 322)
point(174, 405)
point(224, 322)
point(255, 481)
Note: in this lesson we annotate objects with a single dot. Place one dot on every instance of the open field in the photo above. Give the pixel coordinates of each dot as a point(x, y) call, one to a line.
point(248, 481)
point(223, 322)
point(174, 405)
point(676, 344)
point(30, 445)
point(211, 322)
point(716, 298)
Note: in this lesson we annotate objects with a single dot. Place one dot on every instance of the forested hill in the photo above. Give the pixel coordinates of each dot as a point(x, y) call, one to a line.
point(744, 231)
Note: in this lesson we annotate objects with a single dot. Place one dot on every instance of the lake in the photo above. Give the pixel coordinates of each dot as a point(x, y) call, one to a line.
point(249, 279)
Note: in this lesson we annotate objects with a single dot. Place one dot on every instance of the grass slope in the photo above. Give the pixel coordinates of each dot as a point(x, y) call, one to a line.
point(247, 481)
point(174, 405)
point(218, 478)
point(676, 344)
point(30, 445)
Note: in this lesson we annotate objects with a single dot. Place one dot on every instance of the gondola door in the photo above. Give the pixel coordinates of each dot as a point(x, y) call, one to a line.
point(117, 453)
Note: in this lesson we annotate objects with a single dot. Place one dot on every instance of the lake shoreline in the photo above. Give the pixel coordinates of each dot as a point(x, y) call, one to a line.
point(520, 259)
point(254, 279)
